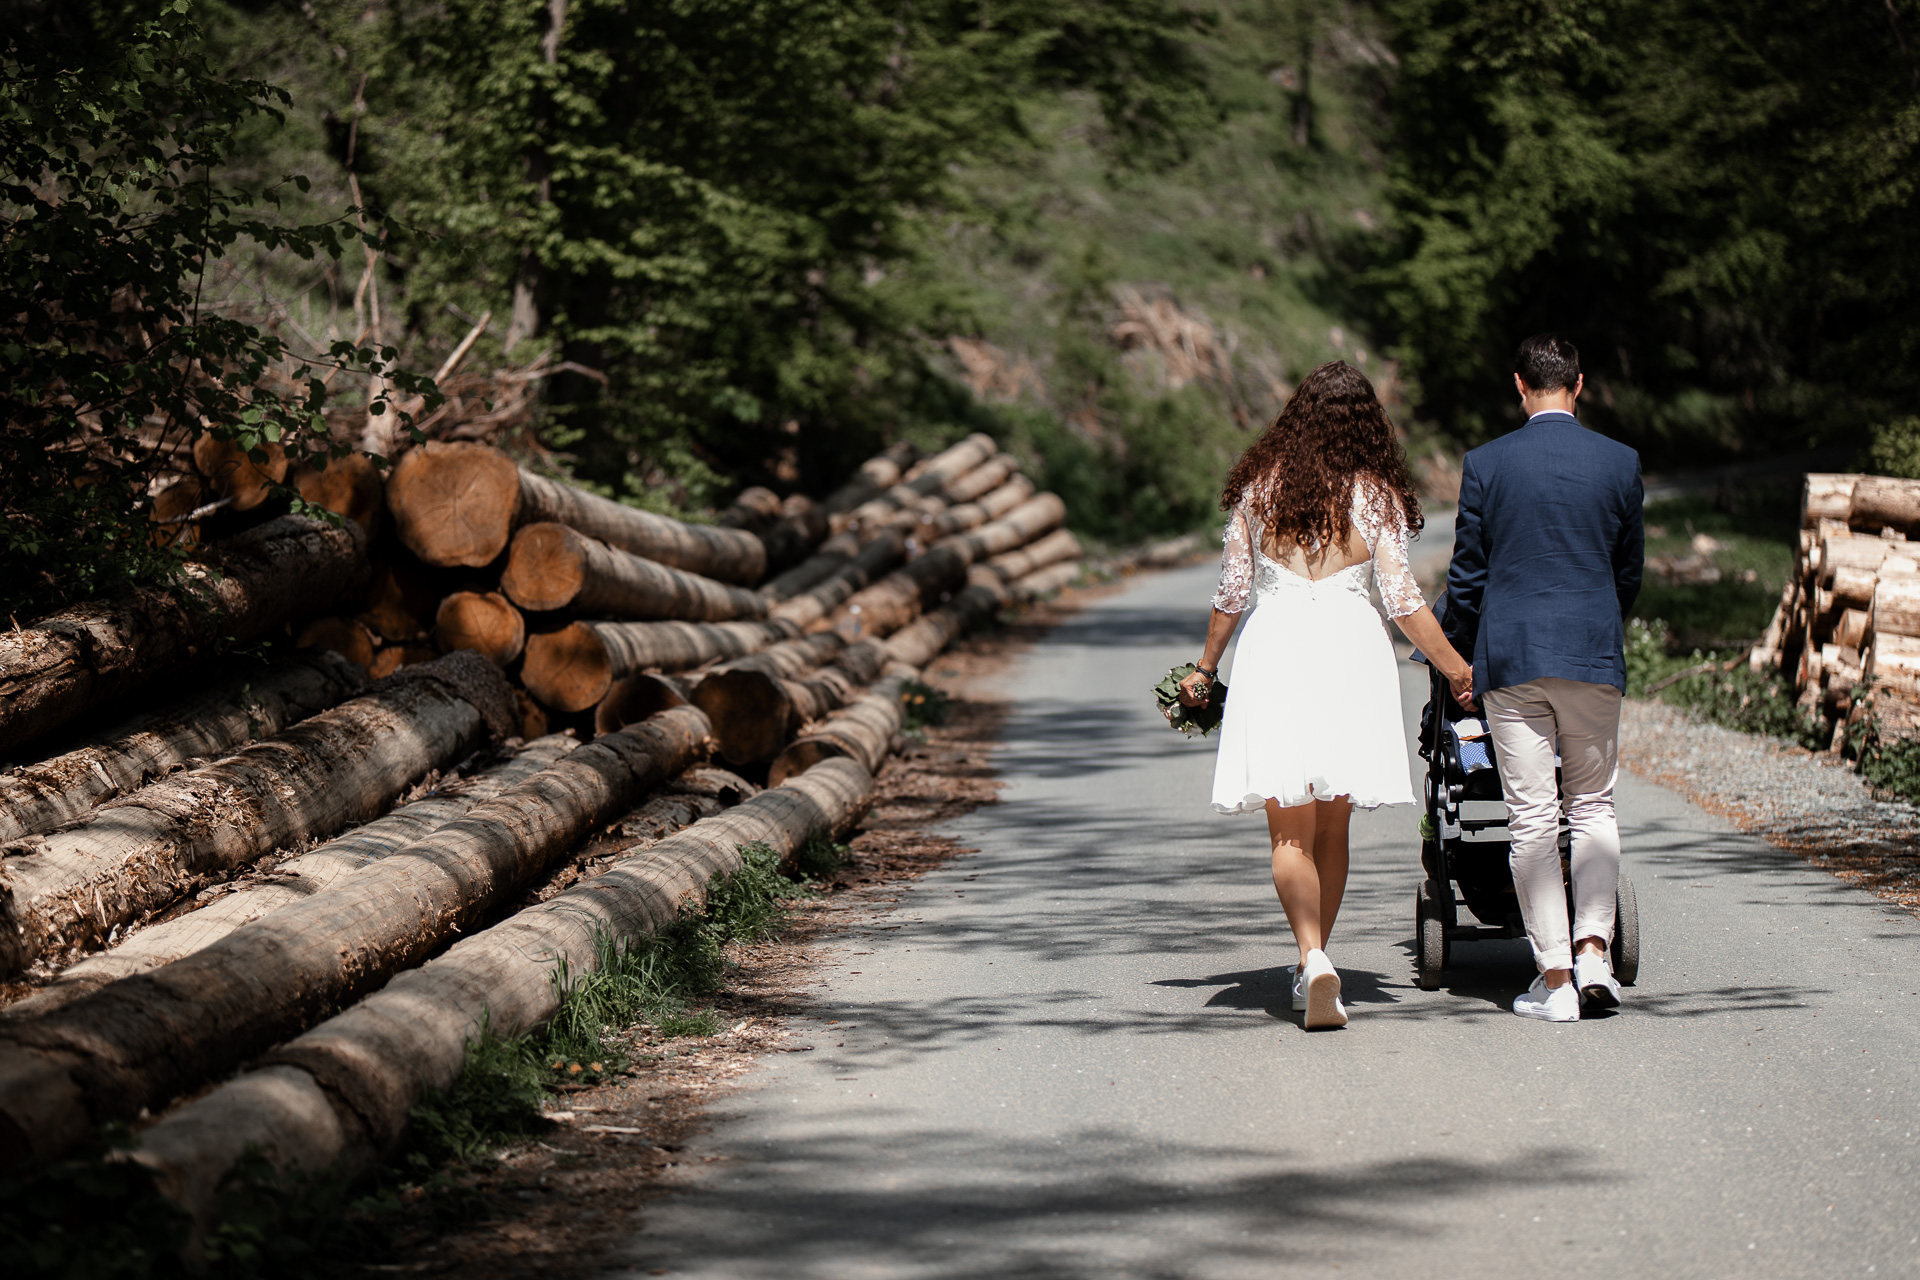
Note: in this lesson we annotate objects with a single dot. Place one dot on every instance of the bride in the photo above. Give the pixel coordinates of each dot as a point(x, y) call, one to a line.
point(1320, 506)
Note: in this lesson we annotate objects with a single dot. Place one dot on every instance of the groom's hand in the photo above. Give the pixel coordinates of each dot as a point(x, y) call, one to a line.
point(1462, 685)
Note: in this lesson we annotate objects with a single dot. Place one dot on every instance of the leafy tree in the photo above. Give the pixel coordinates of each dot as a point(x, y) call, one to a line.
point(695, 198)
point(113, 130)
point(1713, 199)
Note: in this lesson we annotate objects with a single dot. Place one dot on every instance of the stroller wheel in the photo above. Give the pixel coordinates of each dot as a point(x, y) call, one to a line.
point(1430, 936)
point(1626, 934)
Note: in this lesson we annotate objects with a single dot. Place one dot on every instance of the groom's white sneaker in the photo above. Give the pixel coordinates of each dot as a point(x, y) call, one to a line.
point(1299, 988)
point(1594, 977)
point(1549, 1004)
point(1324, 1008)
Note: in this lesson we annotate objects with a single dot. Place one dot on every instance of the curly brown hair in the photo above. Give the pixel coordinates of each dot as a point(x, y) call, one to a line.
point(1299, 475)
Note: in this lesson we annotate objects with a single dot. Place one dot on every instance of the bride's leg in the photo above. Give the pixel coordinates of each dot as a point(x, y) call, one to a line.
point(1330, 858)
point(1296, 877)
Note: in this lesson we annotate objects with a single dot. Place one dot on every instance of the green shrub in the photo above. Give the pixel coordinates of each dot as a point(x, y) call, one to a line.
point(1892, 767)
point(1895, 450)
point(922, 705)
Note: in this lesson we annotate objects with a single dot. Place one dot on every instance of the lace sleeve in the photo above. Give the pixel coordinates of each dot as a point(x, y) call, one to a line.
point(1377, 516)
point(1236, 565)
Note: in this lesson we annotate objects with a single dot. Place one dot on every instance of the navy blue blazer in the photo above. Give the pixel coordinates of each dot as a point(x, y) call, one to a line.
point(1548, 547)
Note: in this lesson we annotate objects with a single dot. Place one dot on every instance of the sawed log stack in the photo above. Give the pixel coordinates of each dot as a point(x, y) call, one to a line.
point(778, 639)
point(1847, 628)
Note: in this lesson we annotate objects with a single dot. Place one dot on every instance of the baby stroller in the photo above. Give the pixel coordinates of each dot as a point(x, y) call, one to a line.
point(1463, 842)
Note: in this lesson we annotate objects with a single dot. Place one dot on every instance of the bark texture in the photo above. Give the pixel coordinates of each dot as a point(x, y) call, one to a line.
point(483, 621)
point(553, 567)
point(756, 713)
point(63, 666)
point(1044, 582)
point(635, 698)
point(863, 731)
point(916, 643)
point(892, 602)
point(74, 887)
point(927, 478)
point(832, 556)
point(971, 515)
point(257, 704)
point(293, 880)
point(147, 1038)
point(886, 550)
point(575, 667)
point(338, 1096)
point(730, 555)
point(876, 474)
point(1030, 520)
point(1052, 549)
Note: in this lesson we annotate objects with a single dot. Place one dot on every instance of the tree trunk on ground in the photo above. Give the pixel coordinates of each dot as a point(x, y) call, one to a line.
point(74, 887)
point(755, 713)
point(1044, 582)
point(574, 668)
point(973, 485)
point(1055, 547)
point(701, 792)
point(754, 510)
point(833, 555)
point(458, 504)
point(1026, 522)
point(875, 475)
point(287, 570)
point(256, 704)
point(339, 1096)
point(232, 474)
point(349, 486)
point(892, 602)
point(635, 698)
point(293, 880)
point(974, 514)
point(551, 567)
point(791, 539)
point(1880, 501)
point(926, 479)
point(485, 622)
point(342, 637)
point(147, 1038)
point(878, 556)
point(863, 730)
point(916, 643)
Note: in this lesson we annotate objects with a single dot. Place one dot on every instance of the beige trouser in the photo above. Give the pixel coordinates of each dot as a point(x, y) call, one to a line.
point(1528, 722)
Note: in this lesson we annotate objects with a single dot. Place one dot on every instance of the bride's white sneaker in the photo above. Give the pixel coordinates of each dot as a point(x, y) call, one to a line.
point(1594, 977)
point(1549, 1004)
point(1323, 1005)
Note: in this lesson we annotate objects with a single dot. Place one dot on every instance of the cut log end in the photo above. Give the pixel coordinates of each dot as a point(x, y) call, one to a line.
point(349, 486)
point(546, 567)
point(485, 622)
point(343, 636)
point(751, 714)
point(455, 504)
point(569, 669)
point(232, 474)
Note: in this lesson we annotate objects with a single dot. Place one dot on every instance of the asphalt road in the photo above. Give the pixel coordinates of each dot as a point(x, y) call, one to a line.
point(1072, 1054)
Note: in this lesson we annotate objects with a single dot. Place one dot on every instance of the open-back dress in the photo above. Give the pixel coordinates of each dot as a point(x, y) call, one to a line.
point(1313, 710)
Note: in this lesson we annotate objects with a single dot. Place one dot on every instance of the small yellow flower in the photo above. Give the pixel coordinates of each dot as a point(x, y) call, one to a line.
point(574, 1069)
point(594, 1066)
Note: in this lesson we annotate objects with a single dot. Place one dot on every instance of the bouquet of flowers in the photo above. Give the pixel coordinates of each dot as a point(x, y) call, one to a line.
point(1190, 720)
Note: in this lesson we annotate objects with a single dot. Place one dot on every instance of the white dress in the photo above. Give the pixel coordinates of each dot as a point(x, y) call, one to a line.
point(1313, 709)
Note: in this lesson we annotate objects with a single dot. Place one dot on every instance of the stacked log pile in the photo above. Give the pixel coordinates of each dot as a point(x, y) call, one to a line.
point(1848, 625)
point(206, 886)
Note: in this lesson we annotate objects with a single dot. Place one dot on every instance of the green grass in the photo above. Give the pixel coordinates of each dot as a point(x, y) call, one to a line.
point(95, 1215)
point(1757, 533)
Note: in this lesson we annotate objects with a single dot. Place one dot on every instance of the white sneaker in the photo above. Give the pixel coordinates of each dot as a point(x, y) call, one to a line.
point(1299, 988)
point(1593, 975)
point(1549, 1004)
point(1324, 1008)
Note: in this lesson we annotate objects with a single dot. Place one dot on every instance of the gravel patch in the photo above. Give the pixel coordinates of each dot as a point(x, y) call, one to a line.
point(1811, 803)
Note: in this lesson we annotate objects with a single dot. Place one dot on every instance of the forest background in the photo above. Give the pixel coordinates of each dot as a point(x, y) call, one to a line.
point(728, 242)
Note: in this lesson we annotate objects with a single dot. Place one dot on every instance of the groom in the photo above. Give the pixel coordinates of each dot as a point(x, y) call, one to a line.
point(1547, 552)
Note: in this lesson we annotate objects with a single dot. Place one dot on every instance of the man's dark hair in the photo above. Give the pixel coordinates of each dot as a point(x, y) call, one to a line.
point(1547, 362)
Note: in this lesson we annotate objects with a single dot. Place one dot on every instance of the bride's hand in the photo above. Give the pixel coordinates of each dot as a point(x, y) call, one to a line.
point(1462, 684)
point(1194, 689)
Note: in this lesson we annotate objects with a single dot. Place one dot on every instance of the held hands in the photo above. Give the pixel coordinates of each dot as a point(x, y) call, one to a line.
point(1461, 682)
